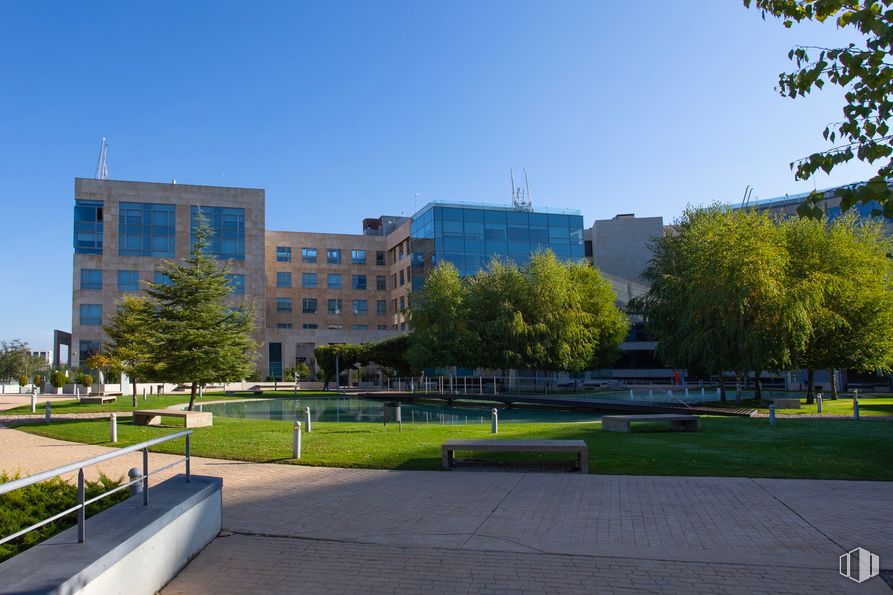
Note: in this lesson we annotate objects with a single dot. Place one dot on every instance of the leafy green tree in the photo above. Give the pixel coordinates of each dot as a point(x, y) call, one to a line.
point(131, 331)
point(439, 316)
point(844, 271)
point(15, 358)
point(391, 353)
point(58, 379)
point(865, 74)
point(718, 298)
point(199, 337)
point(86, 380)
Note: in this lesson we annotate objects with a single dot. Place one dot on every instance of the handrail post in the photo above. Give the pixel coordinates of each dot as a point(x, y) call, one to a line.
point(82, 511)
point(146, 476)
point(188, 468)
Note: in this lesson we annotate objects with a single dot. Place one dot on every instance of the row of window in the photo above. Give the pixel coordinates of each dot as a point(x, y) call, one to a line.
point(333, 281)
point(310, 306)
point(313, 325)
point(333, 256)
point(130, 280)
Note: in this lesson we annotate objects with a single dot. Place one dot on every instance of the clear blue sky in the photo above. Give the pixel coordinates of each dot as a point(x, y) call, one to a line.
point(345, 110)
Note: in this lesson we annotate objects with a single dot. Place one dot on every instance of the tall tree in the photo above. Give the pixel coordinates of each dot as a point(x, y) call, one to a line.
point(864, 73)
point(15, 360)
point(200, 336)
point(131, 331)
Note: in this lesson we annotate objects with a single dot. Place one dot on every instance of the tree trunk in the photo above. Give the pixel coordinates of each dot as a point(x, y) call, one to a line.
point(757, 386)
point(833, 385)
point(722, 388)
point(192, 397)
point(133, 383)
point(810, 396)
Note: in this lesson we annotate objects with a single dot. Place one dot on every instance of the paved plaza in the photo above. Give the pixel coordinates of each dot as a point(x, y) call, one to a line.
point(294, 529)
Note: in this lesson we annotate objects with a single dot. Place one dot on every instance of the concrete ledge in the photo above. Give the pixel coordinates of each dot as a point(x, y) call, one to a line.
point(130, 548)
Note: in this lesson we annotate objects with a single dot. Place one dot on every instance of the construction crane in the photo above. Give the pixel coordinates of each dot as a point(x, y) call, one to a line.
point(102, 166)
point(748, 192)
point(521, 199)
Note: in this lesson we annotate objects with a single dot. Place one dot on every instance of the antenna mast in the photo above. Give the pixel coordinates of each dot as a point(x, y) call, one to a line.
point(521, 198)
point(102, 167)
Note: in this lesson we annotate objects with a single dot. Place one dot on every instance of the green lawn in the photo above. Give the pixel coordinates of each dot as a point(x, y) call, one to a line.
point(724, 447)
point(868, 405)
point(124, 403)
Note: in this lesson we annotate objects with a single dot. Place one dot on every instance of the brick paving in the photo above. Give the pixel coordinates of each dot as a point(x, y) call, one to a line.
point(316, 530)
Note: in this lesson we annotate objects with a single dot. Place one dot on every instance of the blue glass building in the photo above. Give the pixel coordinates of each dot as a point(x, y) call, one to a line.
point(470, 235)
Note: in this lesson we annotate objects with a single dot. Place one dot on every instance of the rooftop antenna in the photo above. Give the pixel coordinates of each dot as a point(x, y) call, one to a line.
point(748, 192)
point(521, 198)
point(102, 166)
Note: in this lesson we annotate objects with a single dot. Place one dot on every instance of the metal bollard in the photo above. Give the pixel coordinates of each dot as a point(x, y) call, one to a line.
point(296, 448)
point(632, 397)
point(113, 428)
point(77, 392)
point(494, 421)
point(48, 412)
point(702, 391)
point(307, 418)
point(33, 400)
point(856, 406)
point(772, 415)
point(818, 403)
point(144, 393)
point(136, 488)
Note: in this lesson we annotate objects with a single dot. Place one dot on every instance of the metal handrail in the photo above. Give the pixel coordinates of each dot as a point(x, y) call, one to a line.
point(81, 507)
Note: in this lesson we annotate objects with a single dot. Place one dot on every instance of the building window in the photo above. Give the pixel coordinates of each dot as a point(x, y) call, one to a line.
point(360, 307)
point(402, 303)
point(283, 325)
point(146, 229)
point(162, 279)
point(402, 279)
point(333, 256)
point(88, 227)
point(358, 281)
point(91, 314)
point(308, 255)
point(358, 257)
point(381, 327)
point(379, 258)
point(400, 252)
point(128, 281)
point(308, 305)
point(393, 280)
point(228, 224)
point(360, 327)
point(334, 281)
point(336, 327)
point(275, 351)
point(381, 282)
point(334, 306)
point(309, 326)
point(283, 254)
point(91, 278)
point(283, 304)
point(308, 280)
point(283, 279)
point(236, 283)
point(381, 307)
point(87, 349)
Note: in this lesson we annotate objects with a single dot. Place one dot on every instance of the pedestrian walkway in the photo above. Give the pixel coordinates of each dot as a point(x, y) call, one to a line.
point(292, 529)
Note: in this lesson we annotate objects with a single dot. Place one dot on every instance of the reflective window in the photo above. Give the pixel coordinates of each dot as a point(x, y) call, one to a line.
point(308, 255)
point(275, 353)
point(228, 224)
point(379, 258)
point(402, 303)
point(360, 307)
point(283, 279)
point(308, 280)
point(128, 281)
point(86, 350)
point(381, 327)
point(360, 327)
point(91, 314)
point(283, 325)
point(335, 306)
point(381, 307)
point(358, 257)
point(334, 281)
point(308, 305)
point(309, 326)
point(236, 283)
point(88, 227)
point(283, 304)
point(381, 282)
point(162, 279)
point(358, 281)
point(283, 254)
point(91, 278)
point(146, 229)
point(333, 256)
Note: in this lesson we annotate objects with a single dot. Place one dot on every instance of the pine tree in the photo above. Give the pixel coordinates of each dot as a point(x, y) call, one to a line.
point(131, 330)
point(200, 336)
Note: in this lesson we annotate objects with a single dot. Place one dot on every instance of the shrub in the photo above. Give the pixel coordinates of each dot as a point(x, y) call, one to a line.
point(38, 380)
point(26, 506)
point(86, 380)
point(58, 378)
point(23, 380)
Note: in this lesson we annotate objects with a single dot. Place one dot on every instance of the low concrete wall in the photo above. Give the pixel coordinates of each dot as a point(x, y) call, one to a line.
point(130, 548)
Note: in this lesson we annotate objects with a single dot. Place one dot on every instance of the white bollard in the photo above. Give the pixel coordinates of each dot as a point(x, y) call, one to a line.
point(856, 406)
point(818, 403)
point(702, 391)
point(670, 394)
point(77, 392)
point(650, 393)
point(48, 412)
point(144, 393)
point(135, 488)
point(296, 448)
point(632, 397)
point(113, 428)
point(686, 391)
point(307, 418)
point(33, 400)
point(494, 421)
point(718, 392)
point(772, 415)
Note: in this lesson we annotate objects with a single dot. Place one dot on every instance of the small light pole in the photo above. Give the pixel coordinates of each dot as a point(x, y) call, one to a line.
point(296, 448)
point(494, 421)
point(33, 400)
point(113, 428)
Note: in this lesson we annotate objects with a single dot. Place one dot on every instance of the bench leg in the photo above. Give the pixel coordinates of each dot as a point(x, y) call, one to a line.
point(583, 461)
point(615, 426)
point(446, 458)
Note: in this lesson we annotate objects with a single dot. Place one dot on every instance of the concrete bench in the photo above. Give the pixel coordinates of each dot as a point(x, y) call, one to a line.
point(678, 423)
point(578, 447)
point(783, 402)
point(152, 417)
point(98, 400)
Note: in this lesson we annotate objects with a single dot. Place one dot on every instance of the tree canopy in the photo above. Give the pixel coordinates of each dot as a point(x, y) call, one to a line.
point(865, 73)
point(130, 338)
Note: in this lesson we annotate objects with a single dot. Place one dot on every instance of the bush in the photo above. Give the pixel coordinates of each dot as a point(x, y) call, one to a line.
point(86, 380)
point(58, 379)
point(23, 380)
point(38, 380)
point(24, 507)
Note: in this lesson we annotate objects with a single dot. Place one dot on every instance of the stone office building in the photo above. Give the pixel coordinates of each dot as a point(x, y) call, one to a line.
point(309, 288)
